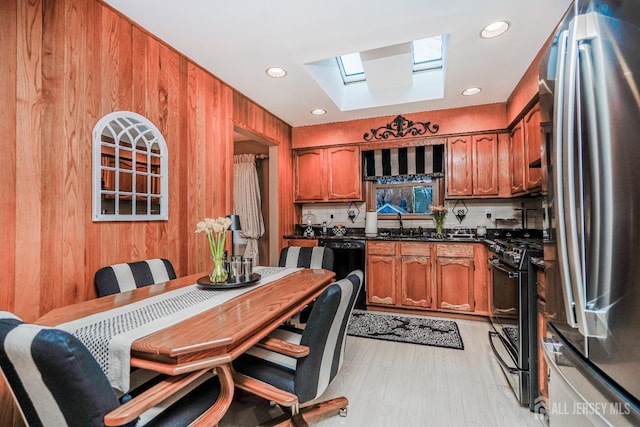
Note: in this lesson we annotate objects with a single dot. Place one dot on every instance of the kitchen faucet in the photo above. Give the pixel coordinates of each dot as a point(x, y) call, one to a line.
point(400, 221)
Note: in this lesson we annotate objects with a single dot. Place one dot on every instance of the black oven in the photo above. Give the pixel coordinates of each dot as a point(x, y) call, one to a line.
point(513, 314)
point(348, 255)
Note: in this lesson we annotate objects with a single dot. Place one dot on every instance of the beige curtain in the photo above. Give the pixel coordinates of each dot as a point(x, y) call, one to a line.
point(247, 203)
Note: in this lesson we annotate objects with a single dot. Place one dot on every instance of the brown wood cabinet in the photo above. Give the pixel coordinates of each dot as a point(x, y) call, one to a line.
point(302, 242)
point(309, 186)
point(427, 276)
point(327, 174)
point(485, 165)
point(517, 158)
point(526, 152)
point(416, 278)
point(381, 273)
point(543, 369)
point(533, 146)
point(459, 170)
point(455, 277)
point(472, 166)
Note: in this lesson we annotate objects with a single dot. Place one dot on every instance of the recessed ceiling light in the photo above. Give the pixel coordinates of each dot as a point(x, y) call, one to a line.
point(471, 91)
point(318, 112)
point(494, 29)
point(276, 72)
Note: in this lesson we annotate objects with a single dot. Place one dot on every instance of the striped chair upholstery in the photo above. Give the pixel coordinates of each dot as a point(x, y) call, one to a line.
point(56, 381)
point(325, 335)
point(305, 257)
point(118, 278)
point(315, 257)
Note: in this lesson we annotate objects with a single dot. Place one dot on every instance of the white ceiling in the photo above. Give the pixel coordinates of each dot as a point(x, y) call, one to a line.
point(238, 40)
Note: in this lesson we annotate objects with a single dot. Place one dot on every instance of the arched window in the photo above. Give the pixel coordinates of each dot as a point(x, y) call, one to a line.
point(130, 169)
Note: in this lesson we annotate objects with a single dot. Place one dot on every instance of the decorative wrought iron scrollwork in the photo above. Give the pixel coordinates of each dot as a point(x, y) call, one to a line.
point(399, 128)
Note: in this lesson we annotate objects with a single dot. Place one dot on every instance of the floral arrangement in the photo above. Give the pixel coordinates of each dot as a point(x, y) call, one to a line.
point(215, 229)
point(439, 214)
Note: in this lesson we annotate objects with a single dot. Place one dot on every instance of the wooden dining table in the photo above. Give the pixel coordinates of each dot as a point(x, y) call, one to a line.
point(214, 337)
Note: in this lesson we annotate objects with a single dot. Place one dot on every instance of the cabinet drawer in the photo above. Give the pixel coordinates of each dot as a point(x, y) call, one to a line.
point(302, 242)
point(415, 248)
point(454, 250)
point(381, 248)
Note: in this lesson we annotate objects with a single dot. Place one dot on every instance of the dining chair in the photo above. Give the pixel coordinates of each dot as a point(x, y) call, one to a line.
point(117, 278)
point(294, 367)
point(55, 381)
point(305, 257)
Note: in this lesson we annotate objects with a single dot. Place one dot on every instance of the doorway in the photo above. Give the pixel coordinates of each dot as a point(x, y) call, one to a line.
point(266, 166)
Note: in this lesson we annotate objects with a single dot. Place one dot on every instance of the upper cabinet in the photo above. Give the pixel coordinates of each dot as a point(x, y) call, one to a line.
point(485, 165)
point(533, 143)
point(459, 161)
point(526, 148)
point(472, 166)
point(328, 174)
point(517, 158)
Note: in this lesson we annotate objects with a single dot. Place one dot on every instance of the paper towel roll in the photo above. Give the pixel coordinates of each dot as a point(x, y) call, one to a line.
point(371, 224)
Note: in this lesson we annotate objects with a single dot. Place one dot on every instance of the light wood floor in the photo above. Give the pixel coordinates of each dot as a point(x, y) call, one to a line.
point(395, 384)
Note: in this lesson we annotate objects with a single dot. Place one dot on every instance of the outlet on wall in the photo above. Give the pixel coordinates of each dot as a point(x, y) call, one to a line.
point(332, 213)
point(487, 212)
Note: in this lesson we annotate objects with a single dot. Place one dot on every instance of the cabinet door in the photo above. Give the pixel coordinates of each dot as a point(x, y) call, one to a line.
point(459, 166)
point(517, 158)
point(345, 180)
point(543, 369)
point(533, 146)
point(309, 177)
point(455, 279)
point(485, 165)
point(416, 281)
point(381, 279)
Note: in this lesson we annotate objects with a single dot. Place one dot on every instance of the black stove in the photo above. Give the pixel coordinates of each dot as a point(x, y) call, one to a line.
point(513, 312)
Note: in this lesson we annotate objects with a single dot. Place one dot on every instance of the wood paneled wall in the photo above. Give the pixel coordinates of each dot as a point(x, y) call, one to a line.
point(64, 64)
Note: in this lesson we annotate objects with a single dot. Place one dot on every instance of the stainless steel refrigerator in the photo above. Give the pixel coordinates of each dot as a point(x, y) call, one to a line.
point(590, 98)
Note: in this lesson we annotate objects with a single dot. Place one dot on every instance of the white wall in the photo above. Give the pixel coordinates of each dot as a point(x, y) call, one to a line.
point(500, 209)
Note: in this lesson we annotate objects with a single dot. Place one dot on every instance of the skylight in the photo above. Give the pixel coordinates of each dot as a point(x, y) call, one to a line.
point(351, 68)
point(427, 55)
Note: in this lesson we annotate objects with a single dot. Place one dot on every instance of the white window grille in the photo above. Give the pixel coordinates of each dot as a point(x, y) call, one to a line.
point(130, 169)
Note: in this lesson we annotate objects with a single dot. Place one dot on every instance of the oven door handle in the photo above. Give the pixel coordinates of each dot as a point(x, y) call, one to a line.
point(511, 369)
point(510, 273)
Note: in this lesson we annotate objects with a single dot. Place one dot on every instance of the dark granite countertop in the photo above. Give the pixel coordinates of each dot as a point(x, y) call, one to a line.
point(411, 235)
point(391, 237)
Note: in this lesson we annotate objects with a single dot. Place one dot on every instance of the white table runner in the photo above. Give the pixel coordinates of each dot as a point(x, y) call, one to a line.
point(109, 335)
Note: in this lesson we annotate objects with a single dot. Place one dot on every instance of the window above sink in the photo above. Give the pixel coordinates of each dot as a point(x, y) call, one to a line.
point(410, 197)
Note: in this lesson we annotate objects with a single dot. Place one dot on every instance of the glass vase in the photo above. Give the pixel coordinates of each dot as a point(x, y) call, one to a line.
point(439, 225)
point(219, 272)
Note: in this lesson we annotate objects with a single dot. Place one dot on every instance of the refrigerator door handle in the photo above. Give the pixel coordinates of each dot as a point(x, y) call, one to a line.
point(559, 160)
point(558, 187)
point(590, 59)
point(579, 30)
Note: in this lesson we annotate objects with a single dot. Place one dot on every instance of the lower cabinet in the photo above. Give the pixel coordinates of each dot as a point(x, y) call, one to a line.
point(426, 276)
point(455, 277)
point(416, 283)
point(302, 242)
point(381, 273)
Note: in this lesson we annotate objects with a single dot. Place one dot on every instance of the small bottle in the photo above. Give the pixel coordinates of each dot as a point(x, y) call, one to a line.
point(324, 228)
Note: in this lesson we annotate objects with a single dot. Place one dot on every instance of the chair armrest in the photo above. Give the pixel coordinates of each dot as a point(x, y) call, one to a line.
point(284, 347)
point(267, 391)
point(132, 409)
